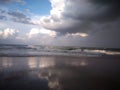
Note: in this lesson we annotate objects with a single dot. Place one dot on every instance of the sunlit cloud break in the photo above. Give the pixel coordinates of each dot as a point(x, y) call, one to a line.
point(78, 34)
point(37, 31)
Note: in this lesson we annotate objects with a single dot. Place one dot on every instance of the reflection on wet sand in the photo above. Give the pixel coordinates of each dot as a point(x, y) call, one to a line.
point(42, 62)
point(59, 73)
point(82, 62)
point(32, 63)
point(6, 62)
point(46, 62)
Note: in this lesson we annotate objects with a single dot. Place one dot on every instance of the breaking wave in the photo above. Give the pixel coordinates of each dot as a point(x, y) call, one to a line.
point(38, 50)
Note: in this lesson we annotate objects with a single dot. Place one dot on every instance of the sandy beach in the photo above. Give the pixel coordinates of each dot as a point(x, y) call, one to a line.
point(60, 73)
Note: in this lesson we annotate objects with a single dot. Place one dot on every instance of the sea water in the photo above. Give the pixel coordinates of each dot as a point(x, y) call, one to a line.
point(38, 50)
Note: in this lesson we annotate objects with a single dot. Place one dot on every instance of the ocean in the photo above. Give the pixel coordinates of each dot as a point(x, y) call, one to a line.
point(35, 67)
point(38, 50)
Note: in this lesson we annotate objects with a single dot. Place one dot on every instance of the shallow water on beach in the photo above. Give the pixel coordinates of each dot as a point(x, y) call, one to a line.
point(59, 73)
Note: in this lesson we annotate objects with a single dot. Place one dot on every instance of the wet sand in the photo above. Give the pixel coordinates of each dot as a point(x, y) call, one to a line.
point(60, 73)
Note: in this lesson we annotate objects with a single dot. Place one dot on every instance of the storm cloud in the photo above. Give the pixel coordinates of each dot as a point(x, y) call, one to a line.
point(71, 16)
point(92, 10)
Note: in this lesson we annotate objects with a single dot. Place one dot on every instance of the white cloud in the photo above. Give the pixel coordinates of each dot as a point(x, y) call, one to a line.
point(77, 34)
point(55, 20)
point(35, 19)
point(48, 32)
point(36, 31)
point(8, 32)
point(57, 7)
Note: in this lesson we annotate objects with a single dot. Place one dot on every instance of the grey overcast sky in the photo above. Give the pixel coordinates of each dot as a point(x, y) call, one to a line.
point(91, 23)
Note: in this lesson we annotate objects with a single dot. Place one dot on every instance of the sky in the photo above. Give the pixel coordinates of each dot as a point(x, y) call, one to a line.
point(85, 23)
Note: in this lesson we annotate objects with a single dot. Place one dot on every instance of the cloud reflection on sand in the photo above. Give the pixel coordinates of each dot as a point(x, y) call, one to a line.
point(7, 62)
point(46, 62)
point(32, 63)
point(82, 62)
point(59, 73)
point(42, 62)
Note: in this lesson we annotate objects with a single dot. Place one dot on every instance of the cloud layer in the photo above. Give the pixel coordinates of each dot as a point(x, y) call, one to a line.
point(19, 17)
point(41, 32)
point(80, 15)
point(15, 16)
point(10, 1)
point(8, 33)
point(71, 22)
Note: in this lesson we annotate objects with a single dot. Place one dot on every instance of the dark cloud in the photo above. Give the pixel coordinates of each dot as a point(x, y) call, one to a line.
point(2, 17)
point(113, 11)
point(106, 35)
point(15, 16)
point(83, 27)
point(2, 11)
point(81, 15)
point(19, 17)
point(100, 19)
point(93, 10)
point(9, 1)
point(106, 1)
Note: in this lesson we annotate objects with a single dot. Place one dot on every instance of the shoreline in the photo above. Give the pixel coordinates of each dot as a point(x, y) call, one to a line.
point(89, 56)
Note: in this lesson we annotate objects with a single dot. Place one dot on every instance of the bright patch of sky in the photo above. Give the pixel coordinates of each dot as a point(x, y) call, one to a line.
point(39, 7)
